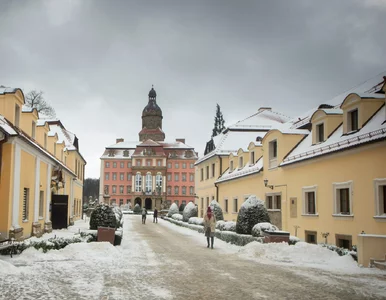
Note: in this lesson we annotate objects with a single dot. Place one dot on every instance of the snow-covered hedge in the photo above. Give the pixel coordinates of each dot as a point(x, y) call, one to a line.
point(104, 216)
point(196, 220)
point(216, 208)
point(137, 209)
point(342, 251)
point(258, 229)
point(190, 210)
point(173, 210)
point(177, 217)
point(226, 226)
point(118, 216)
point(251, 212)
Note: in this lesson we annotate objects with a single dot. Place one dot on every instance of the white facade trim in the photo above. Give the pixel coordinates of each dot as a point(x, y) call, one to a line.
point(16, 187)
point(342, 185)
point(378, 182)
point(48, 193)
point(308, 189)
point(37, 189)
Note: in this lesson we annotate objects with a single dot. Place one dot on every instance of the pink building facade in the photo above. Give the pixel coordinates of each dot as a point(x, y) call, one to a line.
point(151, 172)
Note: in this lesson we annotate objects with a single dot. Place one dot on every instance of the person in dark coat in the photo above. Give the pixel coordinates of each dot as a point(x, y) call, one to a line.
point(144, 213)
point(155, 216)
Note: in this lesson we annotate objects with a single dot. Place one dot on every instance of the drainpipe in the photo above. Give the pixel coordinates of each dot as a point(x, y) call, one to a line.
point(216, 191)
point(3, 141)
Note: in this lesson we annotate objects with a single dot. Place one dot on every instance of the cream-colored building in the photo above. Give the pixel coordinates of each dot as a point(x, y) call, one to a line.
point(42, 170)
point(322, 174)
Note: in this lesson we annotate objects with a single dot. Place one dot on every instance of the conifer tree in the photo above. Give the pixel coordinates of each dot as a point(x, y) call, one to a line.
point(218, 122)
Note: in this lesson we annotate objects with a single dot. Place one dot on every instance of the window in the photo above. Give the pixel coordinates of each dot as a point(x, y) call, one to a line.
point(107, 164)
point(138, 182)
point(191, 190)
point(272, 154)
point(125, 153)
point(41, 204)
point(113, 202)
point(106, 189)
point(273, 201)
point(241, 163)
point(129, 164)
point(226, 205)
point(176, 165)
point(176, 190)
point(192, 165)
point(148, 162)
point(311, 236)
point(169, 165)
point(169, 190)
point(231, 166)
point(207, 201)
point(207, 172)
point(380, 197)
point(343, 241)
point(159, 163)
point(309, 200)
point(107, 176)
point(128, 189)
point(122, 165)
point(353, 120)
point(176, 176)
point(114, 189)
point(129, 177)
point(184, 165)
point(114, 164)
point(202, 174)
point(149, 183)
point(183, 176)
point(213, 169)
point(114, 176)
point(25, 204)
point(33, 132)
point(184, 190)
point(120, 202)
point(343, 198)
point(121, 189)
point(235, 205)
point(176, 202)
point(122, 176)
point(191, 177)
point(138, 162)
point(252, 162)
point(169, 176)
point(158, 180)
point(17, 115)
point(320, 133)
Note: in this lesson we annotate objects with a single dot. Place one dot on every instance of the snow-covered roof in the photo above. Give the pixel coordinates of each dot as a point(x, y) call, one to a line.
point(63, 136)
point(7, 90)
point(333, 111)
point(26, 108)
point(118, 154)
point(263, 119)
point(248, 169)
point(124, 145)
point(6, 126)
point(375, 129)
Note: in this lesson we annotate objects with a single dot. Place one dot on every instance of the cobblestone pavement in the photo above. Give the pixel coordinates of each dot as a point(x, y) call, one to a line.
point(156, 262)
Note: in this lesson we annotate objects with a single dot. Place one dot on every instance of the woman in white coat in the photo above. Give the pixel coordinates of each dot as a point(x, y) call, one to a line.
point(209, 226)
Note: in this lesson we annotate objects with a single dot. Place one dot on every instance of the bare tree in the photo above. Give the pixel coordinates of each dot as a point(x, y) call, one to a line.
point(36, 100)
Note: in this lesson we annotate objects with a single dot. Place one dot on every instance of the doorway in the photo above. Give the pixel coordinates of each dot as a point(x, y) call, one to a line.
point(138, 201)
point(59, 212)
point(148, 203)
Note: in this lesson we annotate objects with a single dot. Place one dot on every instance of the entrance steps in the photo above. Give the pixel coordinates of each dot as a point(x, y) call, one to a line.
point(378, 263)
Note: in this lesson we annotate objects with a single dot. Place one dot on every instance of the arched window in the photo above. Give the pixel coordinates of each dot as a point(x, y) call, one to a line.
point(138, 182)
point(158, 180)
point(149, 183)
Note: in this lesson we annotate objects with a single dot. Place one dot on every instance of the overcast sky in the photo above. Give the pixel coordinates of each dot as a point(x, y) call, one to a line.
point(96, 60)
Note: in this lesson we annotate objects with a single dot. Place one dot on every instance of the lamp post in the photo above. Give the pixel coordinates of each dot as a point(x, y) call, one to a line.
point(267, 185)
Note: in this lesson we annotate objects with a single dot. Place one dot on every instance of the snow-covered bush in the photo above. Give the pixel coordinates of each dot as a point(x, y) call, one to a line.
point(137, 209)
point(177, 217)
point(226, 226)
point(216, 209)
point(237, 239)
point(118, 216)
point(104, 216)
point(173, 210)
point(251, 212)
point(219, 224)
point(182, 206)
point(190, 210)
point(195, 220)
point(293, 240)
point(342, 251)
point(258, 229)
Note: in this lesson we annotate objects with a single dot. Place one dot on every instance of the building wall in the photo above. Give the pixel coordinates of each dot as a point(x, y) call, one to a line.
point(6, 187)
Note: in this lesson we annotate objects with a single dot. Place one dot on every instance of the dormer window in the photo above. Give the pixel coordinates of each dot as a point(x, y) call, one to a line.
point(33, 132)
point(241, 163)
point(231, 166)
point(352, 120)
point(45, 141)
point(272, 154)
point(126, 153)
point(17, 115)
point(252, 158)
point(320, 133)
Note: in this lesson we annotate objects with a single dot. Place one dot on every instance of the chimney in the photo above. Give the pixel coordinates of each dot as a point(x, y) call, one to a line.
point(120, 140)
point(265, 108)
point(181, 140)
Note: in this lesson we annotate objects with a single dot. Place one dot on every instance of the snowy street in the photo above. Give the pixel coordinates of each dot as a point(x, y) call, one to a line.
point(164, 261)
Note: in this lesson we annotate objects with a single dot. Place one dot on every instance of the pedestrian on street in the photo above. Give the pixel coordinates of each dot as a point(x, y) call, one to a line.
point(209, 226)
point(144, 213)
point(155, 215)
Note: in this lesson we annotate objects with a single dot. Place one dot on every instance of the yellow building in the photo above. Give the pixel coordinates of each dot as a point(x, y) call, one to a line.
point(322, 174)
point(42, 171)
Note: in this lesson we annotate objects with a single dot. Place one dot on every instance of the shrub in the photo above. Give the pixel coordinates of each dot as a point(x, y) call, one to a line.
point(137, 209)
point(195, 220)
point(182, 206)
point(258, 229)
point(103, 216)
point(216, 208)
point(118, 216)
point(173, 210)
point(251, 212)
point(177, 217)
point(293, 240)
point(226, 226)
point(190, 210)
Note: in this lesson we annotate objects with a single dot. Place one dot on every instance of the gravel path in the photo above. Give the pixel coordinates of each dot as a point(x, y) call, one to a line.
point(157, 262)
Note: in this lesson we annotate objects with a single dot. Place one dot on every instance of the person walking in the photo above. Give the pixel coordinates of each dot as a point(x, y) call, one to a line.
point(144, 213)
point(209, 226)
point(155, 215)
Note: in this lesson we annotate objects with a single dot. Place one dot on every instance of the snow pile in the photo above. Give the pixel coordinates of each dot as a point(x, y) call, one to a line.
point(196, 221)
point(190, 210)
point(177, 217)
point(252, 211)
point(216, 209)
point(258, 229)
point(301, 254)
point(226, 226)
point(7, 268)
point(173, 210)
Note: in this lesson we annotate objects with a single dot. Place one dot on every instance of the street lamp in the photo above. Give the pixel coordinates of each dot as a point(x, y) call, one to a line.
point(267, 185)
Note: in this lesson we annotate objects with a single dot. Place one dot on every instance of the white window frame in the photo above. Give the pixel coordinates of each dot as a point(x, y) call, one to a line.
point(41, 205)
point(191, 190)
point(273, 195)
point(349, 119)
point(149, 183)
point(138, 182)
point(342, 185)
point(122, 176)
point(272, 159)
point(378, 193)
point(114, 189)
point(158, 180)
point(305, 190)
point(25, 204)
point(317, 126)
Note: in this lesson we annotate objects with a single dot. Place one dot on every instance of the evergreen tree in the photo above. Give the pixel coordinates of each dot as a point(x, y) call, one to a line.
point(218, 122)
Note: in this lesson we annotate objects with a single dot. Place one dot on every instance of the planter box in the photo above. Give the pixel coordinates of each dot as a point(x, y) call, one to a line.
point(106, 234)
point(276, 236)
